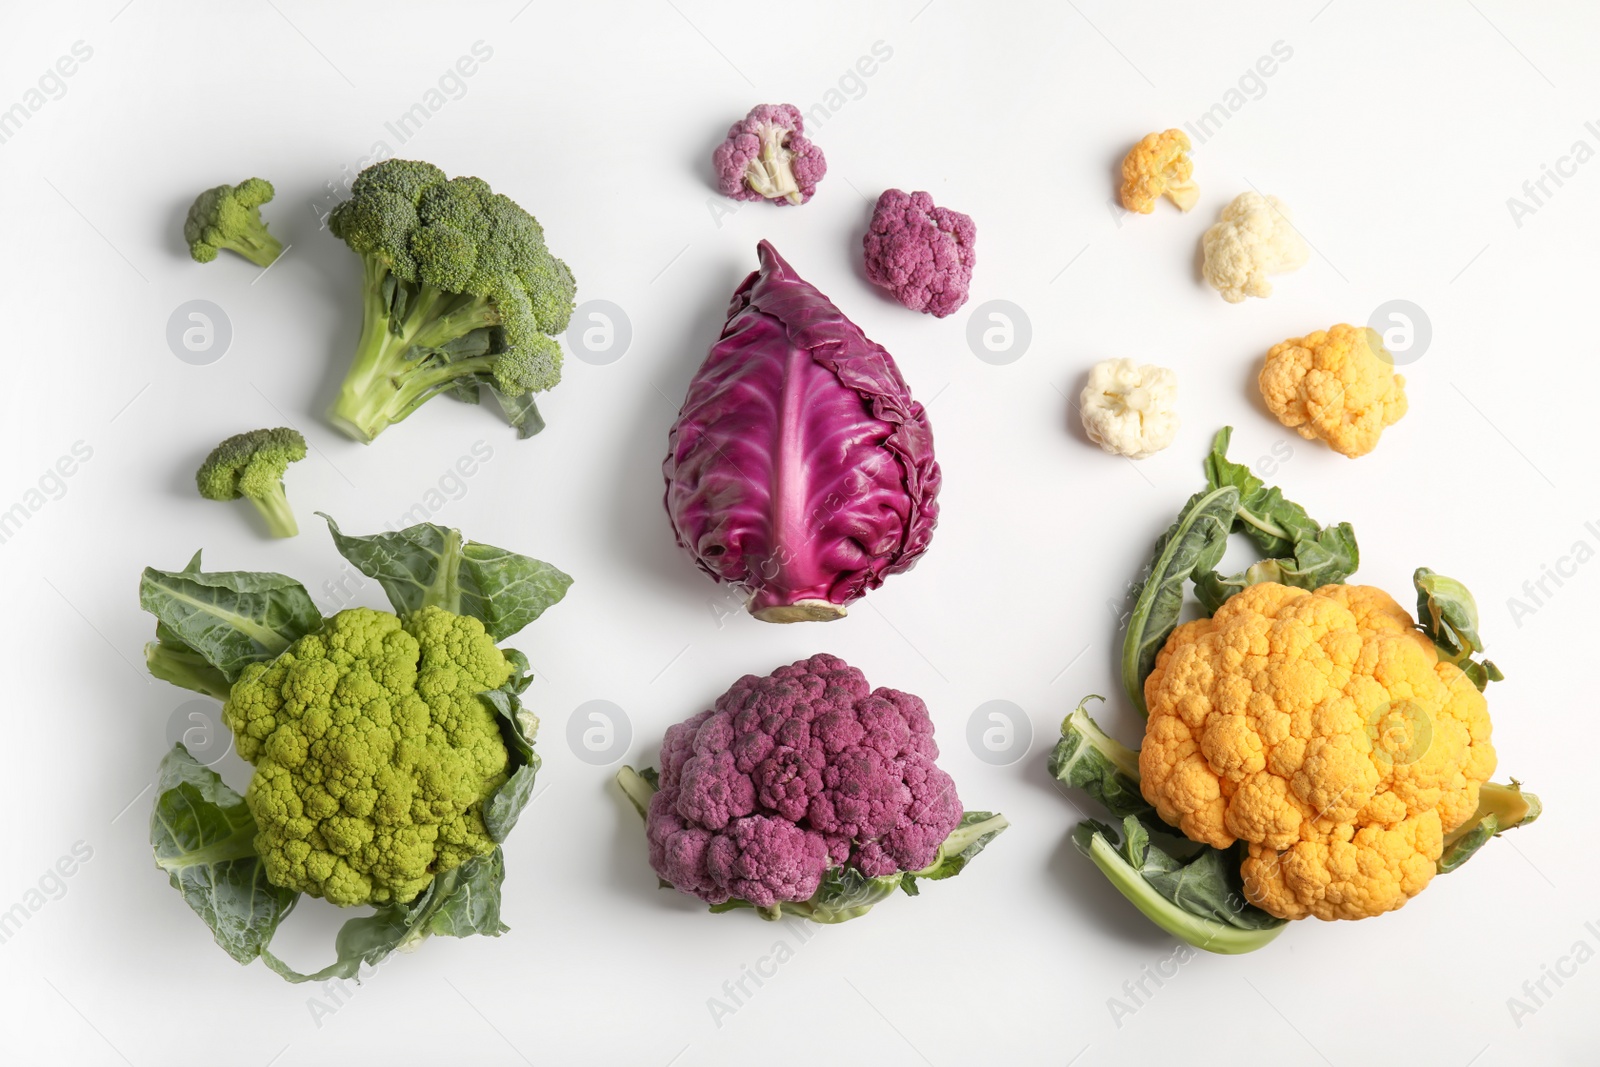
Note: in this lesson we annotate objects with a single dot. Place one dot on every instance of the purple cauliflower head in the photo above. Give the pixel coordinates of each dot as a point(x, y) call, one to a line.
point(919, 252)
point(791, 774)
point(767, 157)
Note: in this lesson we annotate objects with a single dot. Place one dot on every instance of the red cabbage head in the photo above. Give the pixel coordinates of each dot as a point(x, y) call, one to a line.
point(800, 470)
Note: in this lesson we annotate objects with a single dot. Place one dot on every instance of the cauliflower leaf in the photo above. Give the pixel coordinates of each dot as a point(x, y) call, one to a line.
point(230, 618)
point(203, 834)
point(427, 565)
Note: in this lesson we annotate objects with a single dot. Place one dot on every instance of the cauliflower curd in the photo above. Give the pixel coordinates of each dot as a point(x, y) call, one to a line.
point(1255, 237)
point(1323, 730)
point(806, 768)
point(1335, 385)
point(1159, 165)
point(1128, 409)
point(373, 753)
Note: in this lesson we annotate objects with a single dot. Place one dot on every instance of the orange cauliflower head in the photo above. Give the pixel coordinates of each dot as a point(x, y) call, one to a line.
point(1322, 730)
point(1159, 165)
point(1338, 385)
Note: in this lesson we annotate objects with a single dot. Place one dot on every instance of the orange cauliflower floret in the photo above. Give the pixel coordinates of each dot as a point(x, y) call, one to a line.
point(1324, 731)
point(1158, 166)
point(1338, 385)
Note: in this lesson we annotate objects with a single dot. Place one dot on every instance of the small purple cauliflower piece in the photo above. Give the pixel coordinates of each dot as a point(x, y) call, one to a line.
point(767, 157)
point(789, 775)
point(919, 252)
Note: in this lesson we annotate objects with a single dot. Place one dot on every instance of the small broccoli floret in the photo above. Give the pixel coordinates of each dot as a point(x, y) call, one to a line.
point(460, 291)
point(251, 465)
point(229, 216)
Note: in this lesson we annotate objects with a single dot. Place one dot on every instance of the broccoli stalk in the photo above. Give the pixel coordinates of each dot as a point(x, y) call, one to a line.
point(459, 292)
point(273, 505)
point(251, 465)
point(415, 343)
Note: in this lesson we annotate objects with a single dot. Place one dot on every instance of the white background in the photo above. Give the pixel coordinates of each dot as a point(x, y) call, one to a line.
point(1396, 137)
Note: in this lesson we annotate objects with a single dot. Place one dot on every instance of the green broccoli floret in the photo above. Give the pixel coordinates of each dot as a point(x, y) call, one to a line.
point(460, 291)
point(229, 216)
point(251, 465)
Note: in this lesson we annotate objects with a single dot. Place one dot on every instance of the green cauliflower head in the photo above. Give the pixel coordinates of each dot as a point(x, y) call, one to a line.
point(373, 753)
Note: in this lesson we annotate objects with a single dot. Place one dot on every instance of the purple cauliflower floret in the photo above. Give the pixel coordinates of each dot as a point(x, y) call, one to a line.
point(765, 860)
point(712, 792)
point(678, 849)
point(787, 775)
point(919, 252)
point(933, 804)
point(767, 157)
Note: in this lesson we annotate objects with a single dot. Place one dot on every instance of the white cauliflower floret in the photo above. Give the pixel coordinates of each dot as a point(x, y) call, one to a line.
point(1254, 238)
point(1128, 409)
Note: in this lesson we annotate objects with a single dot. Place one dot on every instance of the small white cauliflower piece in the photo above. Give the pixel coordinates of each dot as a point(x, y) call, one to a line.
point(1254, 238)
point(1128, 409)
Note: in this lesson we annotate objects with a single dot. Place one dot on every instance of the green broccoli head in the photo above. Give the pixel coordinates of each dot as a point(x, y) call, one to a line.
point(229, 216)
point(373, 753)
point(251, 465)
point(461, 292)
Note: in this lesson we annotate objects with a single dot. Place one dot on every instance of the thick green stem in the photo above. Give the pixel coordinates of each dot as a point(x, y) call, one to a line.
point(185, 668)
point(261, 249)
point(1266, 526)
point(474, 314)
point(637, 789)
point(445, 592)
point(384, 384)
point(1201, 932)
point(275, 509)
point(962, 838)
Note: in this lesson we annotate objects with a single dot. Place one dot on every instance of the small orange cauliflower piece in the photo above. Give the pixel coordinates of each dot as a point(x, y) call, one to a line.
point(1336, 385)
point(1322, 729)
point(1159, 165)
